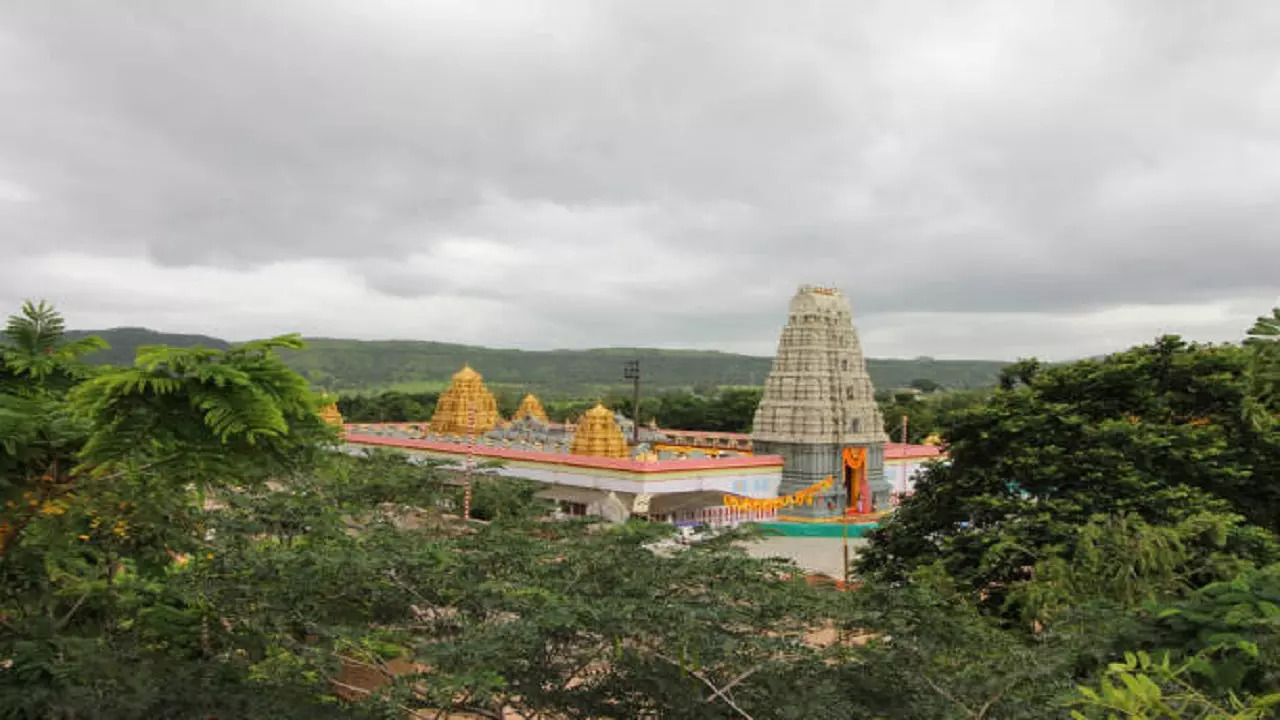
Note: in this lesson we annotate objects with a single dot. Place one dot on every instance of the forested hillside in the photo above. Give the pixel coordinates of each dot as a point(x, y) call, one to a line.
point(346, 365)
point(125, 341)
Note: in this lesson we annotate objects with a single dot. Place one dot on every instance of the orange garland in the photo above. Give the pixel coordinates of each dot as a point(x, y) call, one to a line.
point(800, 497)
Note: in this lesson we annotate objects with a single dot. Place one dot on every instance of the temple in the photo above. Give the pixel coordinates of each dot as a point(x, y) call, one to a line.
point(817, 452)
point(598, 435)
point(467, 407)
point(330, 414)
point(819, 410)
point(530, 407)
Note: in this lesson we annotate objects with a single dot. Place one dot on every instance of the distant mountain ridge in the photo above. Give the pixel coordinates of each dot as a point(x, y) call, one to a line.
point(125, 341)
point(356, 365)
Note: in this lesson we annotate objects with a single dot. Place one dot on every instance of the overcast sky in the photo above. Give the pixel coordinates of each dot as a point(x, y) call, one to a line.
point(983, 179)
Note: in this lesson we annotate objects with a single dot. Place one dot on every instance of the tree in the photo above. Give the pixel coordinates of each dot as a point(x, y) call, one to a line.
point(925, 385)
point(1264, 342)
point(1155, 433)
point(926, 415)
point(104, 476)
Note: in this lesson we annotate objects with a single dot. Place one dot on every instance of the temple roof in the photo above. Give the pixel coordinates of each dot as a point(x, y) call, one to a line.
point(599, 411)
point(530, 406)
point(598, 434)
point(466, 406)
point(466, 373)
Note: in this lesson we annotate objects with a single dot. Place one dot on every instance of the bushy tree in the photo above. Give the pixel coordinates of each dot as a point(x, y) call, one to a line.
point(1156, 433)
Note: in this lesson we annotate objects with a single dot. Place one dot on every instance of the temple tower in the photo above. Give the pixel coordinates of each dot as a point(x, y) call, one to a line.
point(530, 406)
point(331, 415)
point(598, 435)
point(465, 394)
point(819, 410)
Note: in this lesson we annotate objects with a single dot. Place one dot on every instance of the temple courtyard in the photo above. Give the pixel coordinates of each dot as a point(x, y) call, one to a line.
point(816, 554)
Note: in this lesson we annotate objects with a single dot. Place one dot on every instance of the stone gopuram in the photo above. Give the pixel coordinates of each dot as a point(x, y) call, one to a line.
point(819, 410)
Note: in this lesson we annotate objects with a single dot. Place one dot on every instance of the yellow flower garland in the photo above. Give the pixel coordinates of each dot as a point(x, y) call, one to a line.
point(800, 497)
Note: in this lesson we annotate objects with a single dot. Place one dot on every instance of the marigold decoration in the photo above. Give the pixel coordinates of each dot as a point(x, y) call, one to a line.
point(800, 497)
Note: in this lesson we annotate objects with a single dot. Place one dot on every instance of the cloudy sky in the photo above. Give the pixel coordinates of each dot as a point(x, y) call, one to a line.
point(983, 179)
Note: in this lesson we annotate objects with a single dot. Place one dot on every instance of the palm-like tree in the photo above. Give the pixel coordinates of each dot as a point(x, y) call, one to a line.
point(37, 346)
point(1264, 340)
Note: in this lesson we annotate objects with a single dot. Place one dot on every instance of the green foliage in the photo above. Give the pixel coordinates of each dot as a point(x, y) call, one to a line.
point(504, 499)
point(729, 409)
point(38, 350)
point(930, 654)
point(1118, 503)
point(1264, 342)
point(926, 414)
point(1232, 630)
point(1155, 434)
point(1151, 688)
point(388, 407)
point(1124, 560)
point(589, 623)
point(100, 477)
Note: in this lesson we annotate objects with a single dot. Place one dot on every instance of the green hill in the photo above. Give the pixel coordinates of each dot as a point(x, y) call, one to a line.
point(125, 341)
point(352, 365)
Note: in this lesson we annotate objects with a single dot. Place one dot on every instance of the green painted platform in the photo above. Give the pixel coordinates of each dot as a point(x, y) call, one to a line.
point(835, 530)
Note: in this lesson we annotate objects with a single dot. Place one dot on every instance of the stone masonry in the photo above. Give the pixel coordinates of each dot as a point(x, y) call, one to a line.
point(818, 400)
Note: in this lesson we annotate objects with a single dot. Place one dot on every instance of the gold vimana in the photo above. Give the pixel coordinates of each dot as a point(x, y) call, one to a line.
point(466, 393)
point(530, 407)
point(330, 414)
point(598, 435)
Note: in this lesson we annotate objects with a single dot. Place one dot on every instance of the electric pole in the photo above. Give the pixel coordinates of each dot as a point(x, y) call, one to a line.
point(631, 371)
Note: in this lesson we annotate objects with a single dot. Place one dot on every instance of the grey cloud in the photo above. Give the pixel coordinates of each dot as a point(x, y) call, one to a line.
point(694, 160)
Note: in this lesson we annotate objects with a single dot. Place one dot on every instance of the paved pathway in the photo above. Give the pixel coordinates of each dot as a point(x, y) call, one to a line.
point(822, 555)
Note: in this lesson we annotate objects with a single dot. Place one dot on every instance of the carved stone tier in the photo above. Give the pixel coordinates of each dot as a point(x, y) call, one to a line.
point(466, 394)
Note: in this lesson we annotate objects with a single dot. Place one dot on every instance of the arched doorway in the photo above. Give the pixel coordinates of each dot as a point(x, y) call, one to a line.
point(855, 480)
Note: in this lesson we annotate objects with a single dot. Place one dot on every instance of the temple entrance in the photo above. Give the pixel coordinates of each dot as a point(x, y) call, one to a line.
point(855, 480)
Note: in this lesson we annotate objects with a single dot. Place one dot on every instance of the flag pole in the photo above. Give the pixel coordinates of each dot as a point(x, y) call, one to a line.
point(471, 461)
point(844, 532)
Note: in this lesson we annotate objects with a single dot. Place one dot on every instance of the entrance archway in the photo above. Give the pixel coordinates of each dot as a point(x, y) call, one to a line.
point(855, 480)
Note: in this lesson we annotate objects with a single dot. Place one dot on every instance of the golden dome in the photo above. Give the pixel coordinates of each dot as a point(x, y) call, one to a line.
point(466, 395)
point(598, 435)
point(330, 414)
point(530, 406)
